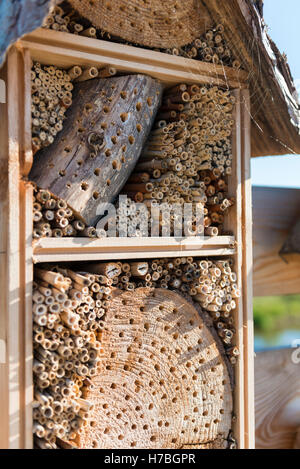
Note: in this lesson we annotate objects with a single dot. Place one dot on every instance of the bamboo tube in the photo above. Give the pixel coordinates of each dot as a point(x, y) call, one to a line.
point(89, 32)
point(87, 74)
point(107, 72)
point(139, 269)
point(180, 150)
point(50, 211)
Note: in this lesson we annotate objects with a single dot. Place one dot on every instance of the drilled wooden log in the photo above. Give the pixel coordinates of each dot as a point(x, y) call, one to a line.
point(162, 380)
point(103, 136)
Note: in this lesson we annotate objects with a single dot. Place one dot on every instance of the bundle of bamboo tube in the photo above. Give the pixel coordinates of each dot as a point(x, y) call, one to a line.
point(52, 217)
point(212, 284)
point(51, 90)
point(211, 47)
point(188, 155)
point(65, 18)
point(68, 308)
point(69, 313)
point(61, 18)
point(130, 219)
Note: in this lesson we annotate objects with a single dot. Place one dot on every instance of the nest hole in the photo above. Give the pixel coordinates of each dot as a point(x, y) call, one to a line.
point(131, 139)
point(84, 186)
point(124, 116)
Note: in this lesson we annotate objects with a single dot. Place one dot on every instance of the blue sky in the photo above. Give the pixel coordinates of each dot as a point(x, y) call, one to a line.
point(283, 20)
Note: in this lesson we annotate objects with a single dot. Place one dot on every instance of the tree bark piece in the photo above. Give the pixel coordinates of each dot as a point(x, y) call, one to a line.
point(162, 381)
point(103, 136)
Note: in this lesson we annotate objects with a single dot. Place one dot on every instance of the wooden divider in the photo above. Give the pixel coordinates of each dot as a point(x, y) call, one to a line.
point(66, 50)
point(4, 394)
point(76, 249)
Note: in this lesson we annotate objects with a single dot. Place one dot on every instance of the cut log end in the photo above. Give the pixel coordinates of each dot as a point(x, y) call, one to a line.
point(162, 380)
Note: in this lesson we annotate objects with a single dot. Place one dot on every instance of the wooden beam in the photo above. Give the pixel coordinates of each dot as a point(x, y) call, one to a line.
point(4, 418)
point(247, 271)
point(277, 406)
point(76, 249)
point(13, 251)
point(233, 224)
point(16, 266)
point(26, 279)
point(66, 50)
point(275, 212)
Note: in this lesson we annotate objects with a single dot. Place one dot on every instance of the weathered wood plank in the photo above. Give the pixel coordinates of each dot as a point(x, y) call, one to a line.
point(247, 271)
point(277, 403)
point(26, 278)
point(275, 211)
point(233, 224)
point(4, 417)
point(16, 265)
point(13, 250)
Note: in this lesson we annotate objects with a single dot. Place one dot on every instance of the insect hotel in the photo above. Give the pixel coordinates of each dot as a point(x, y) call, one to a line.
point(127, 129)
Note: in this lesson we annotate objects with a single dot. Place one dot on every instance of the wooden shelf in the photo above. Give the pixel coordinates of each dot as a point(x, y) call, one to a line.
point(65, 50)
point(84, 249)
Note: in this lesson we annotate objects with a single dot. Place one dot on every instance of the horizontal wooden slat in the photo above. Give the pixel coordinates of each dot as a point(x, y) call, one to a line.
point(65, 50)
point(80, 249)
point(275, 211)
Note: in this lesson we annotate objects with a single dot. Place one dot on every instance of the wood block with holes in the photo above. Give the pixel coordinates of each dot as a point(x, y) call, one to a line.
point(103, 135)
point(163, 380)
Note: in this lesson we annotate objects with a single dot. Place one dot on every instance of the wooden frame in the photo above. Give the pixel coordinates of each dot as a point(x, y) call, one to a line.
point(16, 244)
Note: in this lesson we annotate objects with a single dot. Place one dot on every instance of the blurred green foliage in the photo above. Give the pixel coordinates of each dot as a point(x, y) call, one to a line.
point(277, 312)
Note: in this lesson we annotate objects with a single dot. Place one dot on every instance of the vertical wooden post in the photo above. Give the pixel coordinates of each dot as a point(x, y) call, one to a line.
point(4, 433)
point(233, 225)
point(247, 271)
point(16, 261)
point(26, 277)
point(13, 251)
point(26, 265)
